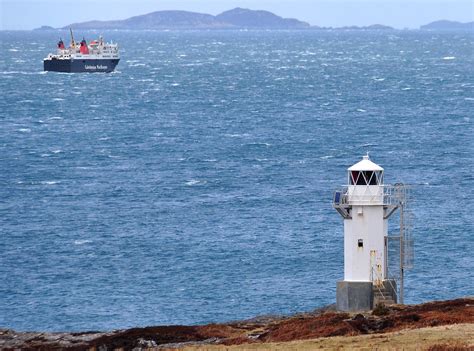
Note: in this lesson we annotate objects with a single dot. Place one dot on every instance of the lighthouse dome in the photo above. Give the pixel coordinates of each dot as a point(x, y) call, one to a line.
point(365, 172)
point(365, 165)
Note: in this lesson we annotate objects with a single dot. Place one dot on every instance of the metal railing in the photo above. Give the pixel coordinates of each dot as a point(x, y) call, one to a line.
point(377, 281)
point(379, 285)
point(392, 195)
point(340, 198)
point(390, 279)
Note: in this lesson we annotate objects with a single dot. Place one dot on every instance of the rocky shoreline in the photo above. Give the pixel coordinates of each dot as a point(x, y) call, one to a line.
point(317, 324)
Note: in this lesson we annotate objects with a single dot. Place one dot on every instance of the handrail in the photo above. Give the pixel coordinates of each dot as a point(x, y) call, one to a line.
point(390, 282)
point(378, 282)
point(377, 286)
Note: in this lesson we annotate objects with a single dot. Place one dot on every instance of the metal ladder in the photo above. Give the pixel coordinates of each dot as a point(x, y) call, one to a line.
point(401, 196)
point(406, 238)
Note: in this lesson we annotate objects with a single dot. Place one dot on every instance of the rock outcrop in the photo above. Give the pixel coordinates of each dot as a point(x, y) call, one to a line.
point(320, 323)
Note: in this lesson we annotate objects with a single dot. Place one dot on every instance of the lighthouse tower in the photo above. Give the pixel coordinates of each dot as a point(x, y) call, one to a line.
point(363, 206)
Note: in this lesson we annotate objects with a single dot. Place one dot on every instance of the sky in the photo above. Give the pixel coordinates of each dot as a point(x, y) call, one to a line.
point(29, 14)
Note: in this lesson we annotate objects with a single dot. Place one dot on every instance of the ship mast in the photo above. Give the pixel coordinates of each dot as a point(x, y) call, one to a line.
point(73, 43)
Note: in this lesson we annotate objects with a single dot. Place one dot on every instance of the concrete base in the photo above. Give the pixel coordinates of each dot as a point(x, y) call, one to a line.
point(354, 296)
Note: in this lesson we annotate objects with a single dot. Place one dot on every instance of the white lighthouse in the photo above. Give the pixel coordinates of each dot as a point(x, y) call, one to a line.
point(366, 203)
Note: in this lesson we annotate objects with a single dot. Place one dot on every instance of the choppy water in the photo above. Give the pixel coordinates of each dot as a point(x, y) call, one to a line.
point(194, 184)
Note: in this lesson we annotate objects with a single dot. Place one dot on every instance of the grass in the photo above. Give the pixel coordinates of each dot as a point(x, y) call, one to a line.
point(450, 337)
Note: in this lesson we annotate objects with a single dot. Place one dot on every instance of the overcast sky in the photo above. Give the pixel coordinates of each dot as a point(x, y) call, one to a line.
point(29, 14)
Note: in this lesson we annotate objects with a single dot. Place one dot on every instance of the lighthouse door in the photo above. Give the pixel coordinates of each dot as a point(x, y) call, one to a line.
point(376, 267)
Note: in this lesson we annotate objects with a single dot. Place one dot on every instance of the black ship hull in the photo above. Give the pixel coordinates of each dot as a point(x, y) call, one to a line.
point(80, 65)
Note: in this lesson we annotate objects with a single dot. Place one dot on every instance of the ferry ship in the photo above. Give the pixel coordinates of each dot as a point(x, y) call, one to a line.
point(96, 56)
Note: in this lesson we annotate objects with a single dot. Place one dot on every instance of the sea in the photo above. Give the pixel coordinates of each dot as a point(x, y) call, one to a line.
point(195, 183)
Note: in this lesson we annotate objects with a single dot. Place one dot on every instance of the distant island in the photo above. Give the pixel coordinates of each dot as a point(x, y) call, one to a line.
point(237, 18)
point(448, 25)
point(45, 28)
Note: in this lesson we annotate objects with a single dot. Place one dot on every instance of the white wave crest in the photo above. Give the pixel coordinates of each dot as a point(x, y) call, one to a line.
point(82, 242)
point(50, 182)
point(195, 182)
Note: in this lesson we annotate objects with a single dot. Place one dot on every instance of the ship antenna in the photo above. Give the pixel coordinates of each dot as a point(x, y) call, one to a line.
point(73, 43)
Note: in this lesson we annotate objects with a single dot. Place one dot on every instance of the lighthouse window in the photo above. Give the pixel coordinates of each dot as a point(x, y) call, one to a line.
point(356, 178)
point(370, 177)
point(360, 243)
point(365, 178)
point(379, 176)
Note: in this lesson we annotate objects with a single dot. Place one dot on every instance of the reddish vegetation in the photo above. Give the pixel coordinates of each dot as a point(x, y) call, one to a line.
point(445, 347)
point(327, 324)
point(398, 318)
point(270, 329)
point(160, 335)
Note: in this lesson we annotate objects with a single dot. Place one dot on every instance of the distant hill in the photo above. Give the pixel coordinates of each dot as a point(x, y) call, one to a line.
point(45, 28)
point(448, 25)
point(156, 20)
point(378, 27)
point(237, 18)
point(245, 18)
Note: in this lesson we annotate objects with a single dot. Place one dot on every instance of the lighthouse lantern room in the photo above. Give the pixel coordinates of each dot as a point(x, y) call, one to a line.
point(365, 204)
